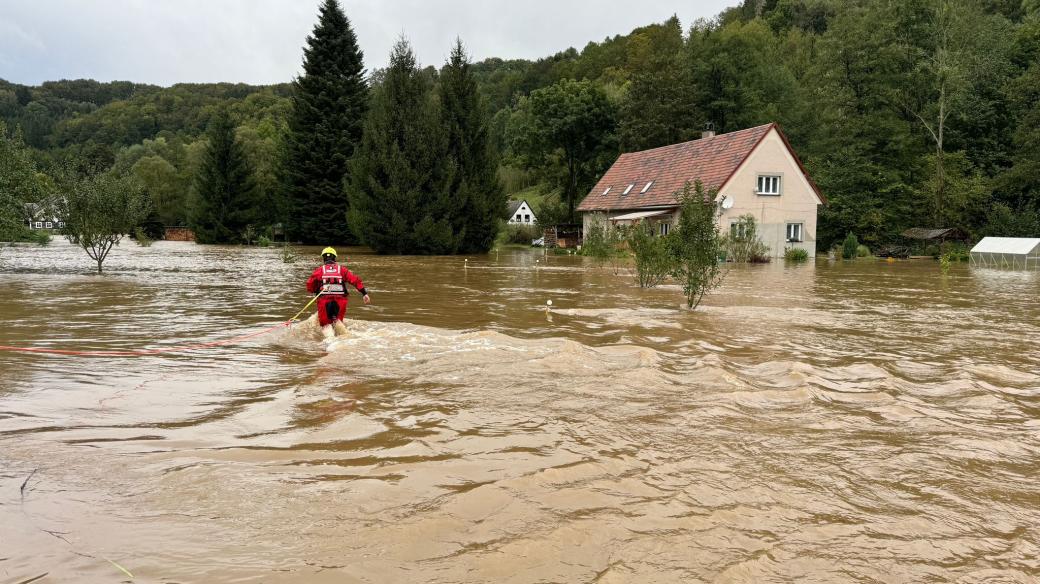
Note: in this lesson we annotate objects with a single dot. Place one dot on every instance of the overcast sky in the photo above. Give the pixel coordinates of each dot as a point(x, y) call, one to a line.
point(259, 41)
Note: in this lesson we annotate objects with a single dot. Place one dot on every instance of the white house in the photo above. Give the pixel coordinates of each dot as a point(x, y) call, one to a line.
point(520, 213)
point(42, 216)
point(755, 170)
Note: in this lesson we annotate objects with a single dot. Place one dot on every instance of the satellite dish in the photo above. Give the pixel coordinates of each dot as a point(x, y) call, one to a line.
point(726, 202)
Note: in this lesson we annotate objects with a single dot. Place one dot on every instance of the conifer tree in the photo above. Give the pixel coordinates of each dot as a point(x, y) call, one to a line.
point(479, 200)
point(226, 193)
point(400, 199)
point(325, 126)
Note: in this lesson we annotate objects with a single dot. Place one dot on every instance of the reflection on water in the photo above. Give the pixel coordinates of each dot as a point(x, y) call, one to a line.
point(838, 422)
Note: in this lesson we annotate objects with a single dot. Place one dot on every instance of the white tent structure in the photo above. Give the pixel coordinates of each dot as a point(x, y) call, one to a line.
point(1007, 252)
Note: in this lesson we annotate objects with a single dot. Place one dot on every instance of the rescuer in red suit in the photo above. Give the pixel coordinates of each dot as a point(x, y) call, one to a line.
point(330, 281)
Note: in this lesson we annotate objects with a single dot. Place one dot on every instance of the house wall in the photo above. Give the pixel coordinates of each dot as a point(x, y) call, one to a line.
point(797, 202)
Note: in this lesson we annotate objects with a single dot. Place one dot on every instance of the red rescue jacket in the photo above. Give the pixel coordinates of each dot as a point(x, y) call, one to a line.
point(331, 279)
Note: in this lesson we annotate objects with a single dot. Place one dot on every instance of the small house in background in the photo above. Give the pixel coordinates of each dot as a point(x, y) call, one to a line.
point(42, 216)
point(1021, 253)
point(755, 170)
point(520, 213)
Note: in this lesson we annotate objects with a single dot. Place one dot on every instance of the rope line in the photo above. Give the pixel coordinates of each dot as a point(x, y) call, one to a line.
point(141, 352)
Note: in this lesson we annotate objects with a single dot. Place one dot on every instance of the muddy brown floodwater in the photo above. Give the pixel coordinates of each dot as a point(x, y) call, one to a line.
point(836, 422)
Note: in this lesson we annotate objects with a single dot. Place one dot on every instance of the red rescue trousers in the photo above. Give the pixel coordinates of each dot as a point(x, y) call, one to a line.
point(331, 307)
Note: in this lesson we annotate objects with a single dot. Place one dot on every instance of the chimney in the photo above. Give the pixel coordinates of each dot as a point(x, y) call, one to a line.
point(709, 130)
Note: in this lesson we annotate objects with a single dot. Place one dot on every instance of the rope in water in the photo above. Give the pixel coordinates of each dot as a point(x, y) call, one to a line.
point(142, 352)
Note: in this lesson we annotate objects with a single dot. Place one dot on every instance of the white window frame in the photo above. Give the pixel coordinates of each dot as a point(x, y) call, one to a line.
point(61, 224)
point(607, 191)
point(518, 217)
point(801, 232)
point(647, 187)
point(733, 229)
point(663, 228)
point(628, 189)
point(50, 225)
point(773, 183)
point(527, 218)
point(39, 225)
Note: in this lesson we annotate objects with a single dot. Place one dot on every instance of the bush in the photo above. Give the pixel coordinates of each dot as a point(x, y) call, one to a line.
point(601, 242)
point(850, 247)
point(288, 253)
point(263, 241)
point(747, 247)
point(523, 234)
point(141, 237)
point(955, 251)
point(40, 238)
point(796, 254)
point(653, 263)
point(862, 251)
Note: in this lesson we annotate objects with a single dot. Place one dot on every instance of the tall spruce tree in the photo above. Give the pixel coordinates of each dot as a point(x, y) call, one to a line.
point(325, 126)
point(226, 192)
point(479, 200)
point(400, 179)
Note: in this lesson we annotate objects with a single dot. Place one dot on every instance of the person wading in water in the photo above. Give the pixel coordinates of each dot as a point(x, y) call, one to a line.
point(329, 283)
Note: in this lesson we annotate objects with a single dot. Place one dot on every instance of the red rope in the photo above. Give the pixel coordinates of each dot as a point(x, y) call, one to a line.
point(140, 352)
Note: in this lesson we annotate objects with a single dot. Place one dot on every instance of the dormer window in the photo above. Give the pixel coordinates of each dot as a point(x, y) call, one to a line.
point(768, 184)
point(647, 187)
point(628, 189)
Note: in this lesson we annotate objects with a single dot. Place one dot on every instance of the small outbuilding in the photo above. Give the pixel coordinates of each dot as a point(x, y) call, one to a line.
point(935, 235)
point(1007, 252)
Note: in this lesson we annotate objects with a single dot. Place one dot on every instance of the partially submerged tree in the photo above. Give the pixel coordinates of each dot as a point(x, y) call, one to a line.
point(400, 178)
point(99, 209)
point(475, 186)
point(695, 245)
point(329, 102)
point(225, 185)
point(653, 262)
point(20, 185)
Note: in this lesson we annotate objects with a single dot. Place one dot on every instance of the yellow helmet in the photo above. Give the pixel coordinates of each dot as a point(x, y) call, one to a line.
point(328, 251)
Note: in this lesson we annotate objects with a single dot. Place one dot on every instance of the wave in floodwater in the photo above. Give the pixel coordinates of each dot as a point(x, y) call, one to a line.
point(841, 423)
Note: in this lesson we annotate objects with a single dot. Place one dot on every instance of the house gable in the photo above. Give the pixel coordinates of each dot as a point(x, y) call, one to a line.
point(520, 212)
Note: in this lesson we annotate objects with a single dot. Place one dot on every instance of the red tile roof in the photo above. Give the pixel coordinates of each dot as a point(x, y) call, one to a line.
point(711, 160)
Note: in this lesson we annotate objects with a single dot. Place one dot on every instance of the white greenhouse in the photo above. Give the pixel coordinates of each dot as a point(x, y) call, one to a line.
point(1007, 252)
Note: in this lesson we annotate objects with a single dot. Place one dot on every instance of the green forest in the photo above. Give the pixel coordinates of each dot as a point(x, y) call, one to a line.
point(923, 113)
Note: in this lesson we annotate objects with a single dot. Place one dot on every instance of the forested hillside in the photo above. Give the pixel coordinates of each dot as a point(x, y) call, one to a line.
point(916, 113)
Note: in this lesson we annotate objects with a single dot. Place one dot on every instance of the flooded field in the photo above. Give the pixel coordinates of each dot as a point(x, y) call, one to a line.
point(836, 422)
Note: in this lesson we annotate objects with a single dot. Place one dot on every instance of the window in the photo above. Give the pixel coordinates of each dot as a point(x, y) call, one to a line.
point(737, 230)
point(527, 218)
point(647, 187)
point(608, 190)
point(664, 229)
point(49, 225)
point(628, 189)
point(39, 224)
point(768, 184)
point(518, 217)
point(794, 232)
point(61, 224)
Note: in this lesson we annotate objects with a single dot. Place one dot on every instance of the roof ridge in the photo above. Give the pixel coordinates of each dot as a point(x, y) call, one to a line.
point(702, 139)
